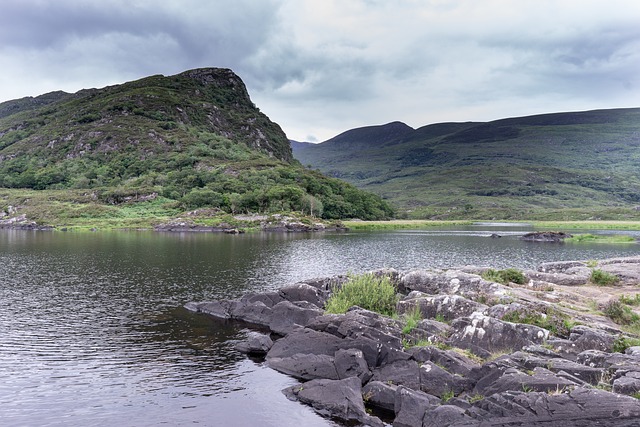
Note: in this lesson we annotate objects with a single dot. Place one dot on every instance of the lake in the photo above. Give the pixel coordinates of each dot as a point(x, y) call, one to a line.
point(92, 329)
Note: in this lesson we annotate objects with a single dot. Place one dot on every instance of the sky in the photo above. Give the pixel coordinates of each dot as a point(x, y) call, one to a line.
point(321, 67)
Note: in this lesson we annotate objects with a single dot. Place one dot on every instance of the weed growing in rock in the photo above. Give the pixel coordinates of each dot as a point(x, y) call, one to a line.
point(505, 276)
point(448, 395)
point(622, 343)
point(630, 300)
point(603, 278)
point(475, 398)
point(553, 320)
point(620, 313)
point(367, 291)
point(411, 319)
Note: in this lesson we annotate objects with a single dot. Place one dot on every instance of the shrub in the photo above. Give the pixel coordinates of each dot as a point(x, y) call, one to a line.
point(622, 343)
point(620, 313)
point(602, 278)
point(367, 291)
point(505, 276)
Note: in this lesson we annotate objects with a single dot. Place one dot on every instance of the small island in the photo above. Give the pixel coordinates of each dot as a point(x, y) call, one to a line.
point(459, 347)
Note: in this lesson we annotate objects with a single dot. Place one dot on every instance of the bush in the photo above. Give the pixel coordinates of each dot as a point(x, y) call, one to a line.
point(505, 276)
point(367, 291)
point(620, 313)
point(602, 278)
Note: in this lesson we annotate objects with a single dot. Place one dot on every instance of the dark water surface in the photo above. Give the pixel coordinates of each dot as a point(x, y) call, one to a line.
point(92, 329)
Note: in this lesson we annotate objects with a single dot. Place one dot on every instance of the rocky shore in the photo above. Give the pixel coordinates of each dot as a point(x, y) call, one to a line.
point(548, 352)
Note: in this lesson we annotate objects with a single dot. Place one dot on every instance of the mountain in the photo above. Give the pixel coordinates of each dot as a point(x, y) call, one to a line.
point(195, 138)
point(573, 165)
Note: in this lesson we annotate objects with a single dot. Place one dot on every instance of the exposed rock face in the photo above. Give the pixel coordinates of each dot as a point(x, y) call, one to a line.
point(474, 370)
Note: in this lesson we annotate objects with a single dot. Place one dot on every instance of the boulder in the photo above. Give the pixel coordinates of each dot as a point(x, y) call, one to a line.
point(305, 366)
point(341, 399)
point(546, 236)
point(483, 335)
point(586, 338)
point(379, 394)
point(577, 408)
point(305, 341)
point(411, 407)
point(560, 266)
point(402, 372)
point(450, 282)
point(449, 360)
point(628, 384)
point(445, 415)
point(221, 309)
point(351, 363)
point(438, 382)
point(255, 343)
point(286, 315)
point(449, 307)
point(303, 292)
point(561, 279)
point(540, 379)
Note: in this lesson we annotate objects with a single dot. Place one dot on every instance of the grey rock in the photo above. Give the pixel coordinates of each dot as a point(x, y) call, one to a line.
point(585, 338)
point(402, 372)
point(633, 351)
point(286, 315)
point(438, 382)
point(269, 298)
point(220, 309)
point(561, 279)
point(445, 415)
point(351, 363)
point(483, 335)
point(411, 407)
point(545, 236)
point(256, 312)
point(448, 306)
point(560, 266)
point(628, 384)
point(380, 395)
point(341, 399)
point(577, 372)
point(255, 343)
point(449, 360)
point(579, 407)
point(305, 341)
point(541, 379)
point(303, 292)
point(450, 282)
point(305, 366)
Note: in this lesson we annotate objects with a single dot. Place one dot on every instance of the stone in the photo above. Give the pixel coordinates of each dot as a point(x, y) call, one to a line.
point(629, 384)
point(545, 236)
point(303, 292)
point(221, 309)
point(411, 407)
point(561, 279)
point(438, 382)
point(341, 399)
point(449, 307)
point(351, 363)
point(483, 335)
point(450, 282)
point(586, 338)
point(255, 344)
point(449, 360)
point(379, 394)
point(305, 366)
point(286, 315)
point(540, 379)
point(445, 415)
point(402, 372)
point(305, 341)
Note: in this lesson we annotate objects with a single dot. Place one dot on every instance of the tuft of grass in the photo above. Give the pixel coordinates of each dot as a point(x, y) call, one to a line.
point(368, 291)
point(620, 313)
point(603, 278)
point(630, 300)
point(475, 398)
point(622, 343)
point(505, 276)
point(448, 395)
point(411, 319)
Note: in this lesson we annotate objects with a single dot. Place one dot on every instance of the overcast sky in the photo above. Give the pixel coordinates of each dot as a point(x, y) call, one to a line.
point(320, 67)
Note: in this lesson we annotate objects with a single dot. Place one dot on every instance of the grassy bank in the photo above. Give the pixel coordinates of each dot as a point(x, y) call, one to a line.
point(555, 225)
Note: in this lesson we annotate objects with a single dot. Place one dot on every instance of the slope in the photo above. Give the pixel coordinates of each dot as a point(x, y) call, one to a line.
point(576, 165)
point(194, 138)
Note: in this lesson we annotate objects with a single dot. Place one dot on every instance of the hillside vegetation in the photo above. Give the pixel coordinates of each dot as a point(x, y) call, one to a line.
point(563, 166)
point(192, 140)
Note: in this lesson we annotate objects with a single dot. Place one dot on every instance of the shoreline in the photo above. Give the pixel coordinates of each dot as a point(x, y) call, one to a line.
point(478, 352)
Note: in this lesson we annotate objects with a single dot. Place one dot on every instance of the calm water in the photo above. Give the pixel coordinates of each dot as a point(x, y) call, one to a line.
point(92, 331)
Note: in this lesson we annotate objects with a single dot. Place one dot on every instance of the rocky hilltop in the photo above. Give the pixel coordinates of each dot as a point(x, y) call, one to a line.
point(551, 350)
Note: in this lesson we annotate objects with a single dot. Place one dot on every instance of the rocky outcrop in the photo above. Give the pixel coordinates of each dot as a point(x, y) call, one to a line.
point(553, 366)
point(546, 236)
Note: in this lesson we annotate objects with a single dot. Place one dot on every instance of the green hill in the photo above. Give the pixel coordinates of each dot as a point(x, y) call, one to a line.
point(194, 140)
point(578, 165)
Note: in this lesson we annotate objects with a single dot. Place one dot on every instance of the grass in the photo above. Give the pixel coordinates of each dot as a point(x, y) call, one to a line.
point(368, 291)
point(551, 319)
point(505, 276)
point(603, 278)
point(411, 319)
point(598, 238)
point(620, 313)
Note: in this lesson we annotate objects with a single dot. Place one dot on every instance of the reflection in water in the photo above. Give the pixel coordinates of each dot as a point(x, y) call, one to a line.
point(93, 331)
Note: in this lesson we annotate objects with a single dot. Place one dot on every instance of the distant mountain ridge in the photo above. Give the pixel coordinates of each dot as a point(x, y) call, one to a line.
point(584, 164)
point(195, 138)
